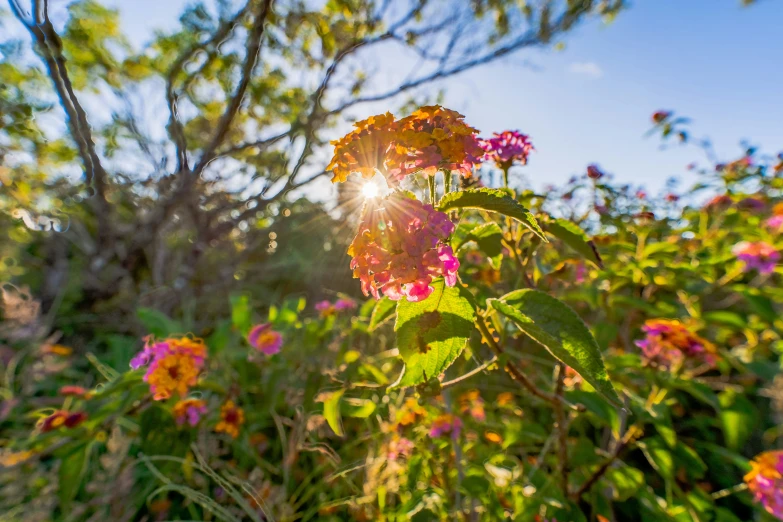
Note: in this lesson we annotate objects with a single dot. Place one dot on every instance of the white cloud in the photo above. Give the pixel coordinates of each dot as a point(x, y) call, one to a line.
point(591, 69)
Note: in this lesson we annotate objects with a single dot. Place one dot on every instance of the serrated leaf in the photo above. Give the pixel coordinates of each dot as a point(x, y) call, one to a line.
point(382, 311)
point(432, 333)
point(560, 330)
point(491, 200)
point(576, 238)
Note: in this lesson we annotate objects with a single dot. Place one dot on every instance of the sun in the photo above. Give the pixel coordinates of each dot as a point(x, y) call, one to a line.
point(370, 190)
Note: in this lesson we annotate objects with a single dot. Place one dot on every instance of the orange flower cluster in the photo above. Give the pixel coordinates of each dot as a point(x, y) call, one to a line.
point(669, 342)
point(364, 149)
point(430, 139)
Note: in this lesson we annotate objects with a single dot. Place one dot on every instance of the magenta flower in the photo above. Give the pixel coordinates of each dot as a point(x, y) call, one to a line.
point(775, 223)
point(760, 256)
point(446, 424)
point(189, 410)
point(401, 247)
point(264, 339)
point(344, 304)
point(506, 148)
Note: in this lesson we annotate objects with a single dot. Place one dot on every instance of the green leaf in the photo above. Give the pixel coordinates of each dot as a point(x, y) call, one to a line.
point(432, 333)
point(159, 433)
point(358, 408)
point(73, 467)
point(382, 311)
point(331, 402)
point(727, 318)
point(240, 313)
point(488, 237)
point(157, 323)
point(738, 418)
point(625, 481)
point(761, 304)
point(560, 330)
point(659, 457)
point(576, 238)
point(698, 390)
point(491, 200)
point(597, 407)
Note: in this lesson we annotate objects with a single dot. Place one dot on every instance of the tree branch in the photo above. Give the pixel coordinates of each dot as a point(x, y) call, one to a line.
point(251, 58)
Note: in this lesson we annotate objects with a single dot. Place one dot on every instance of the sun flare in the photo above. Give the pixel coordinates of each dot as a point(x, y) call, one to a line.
point(370, 190)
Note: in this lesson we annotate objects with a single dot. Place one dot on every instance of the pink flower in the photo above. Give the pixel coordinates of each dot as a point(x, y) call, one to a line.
point(760, 256)
point(446, 424)
point(669, 342)
point(765, 481)
point(344, 304)
point(264, 339)
point(775, 223)
point(400, 247)
point(399, 447)
point(506, 148)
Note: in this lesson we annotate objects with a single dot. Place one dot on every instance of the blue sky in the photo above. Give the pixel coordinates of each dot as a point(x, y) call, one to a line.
point(711, 60)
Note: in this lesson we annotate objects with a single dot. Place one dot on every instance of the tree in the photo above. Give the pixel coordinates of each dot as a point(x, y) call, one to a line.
point(252, 94)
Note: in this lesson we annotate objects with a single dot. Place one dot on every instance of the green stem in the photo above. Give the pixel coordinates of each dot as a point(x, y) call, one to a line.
point(433, 194)
point(446, 181)
point(505, 177)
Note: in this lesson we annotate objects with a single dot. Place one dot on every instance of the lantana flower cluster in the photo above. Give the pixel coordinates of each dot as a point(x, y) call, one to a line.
point(759, 256)
point(669, 342)
point(264, 339)
point(190, 411)
point(400, 247)
point(232, 417)
point(326, 308)
point(506, 148)
point(765, 481)
point(430, 139)
point(446, 424)
point(173, 365)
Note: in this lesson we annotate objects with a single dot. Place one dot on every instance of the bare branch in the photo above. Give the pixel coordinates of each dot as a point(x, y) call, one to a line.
point(176, 129)
point(251, 58)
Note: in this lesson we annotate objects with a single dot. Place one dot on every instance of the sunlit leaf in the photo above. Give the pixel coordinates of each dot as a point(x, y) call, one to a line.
point(561, 331)
point(491, 200)
point(576, 238)
point(433, 332)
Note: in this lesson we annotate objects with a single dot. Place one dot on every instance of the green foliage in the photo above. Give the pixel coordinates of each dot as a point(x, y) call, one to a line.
point(560, 330)
point(432, 333)
point(491, 200)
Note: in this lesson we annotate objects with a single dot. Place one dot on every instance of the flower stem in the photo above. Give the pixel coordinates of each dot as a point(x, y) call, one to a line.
point(433, 193)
